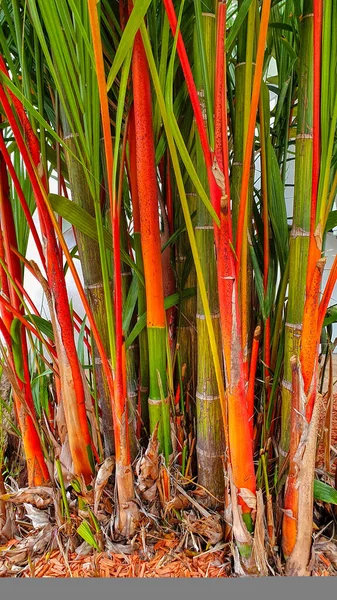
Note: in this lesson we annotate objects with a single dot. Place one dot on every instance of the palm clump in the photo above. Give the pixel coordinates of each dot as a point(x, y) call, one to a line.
point(165, 135)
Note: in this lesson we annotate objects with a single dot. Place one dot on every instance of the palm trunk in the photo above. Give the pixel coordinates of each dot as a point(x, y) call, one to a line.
point(159, 407)
point(210, 433)
point(90, 258)
point(299, 238)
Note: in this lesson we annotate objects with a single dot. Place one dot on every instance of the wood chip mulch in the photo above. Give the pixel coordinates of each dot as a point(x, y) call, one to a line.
point(165, 563)
point(320, 450)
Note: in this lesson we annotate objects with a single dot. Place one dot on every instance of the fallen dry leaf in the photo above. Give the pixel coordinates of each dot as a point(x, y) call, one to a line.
point(37, 496)
point(103, 475)
point(39, 518)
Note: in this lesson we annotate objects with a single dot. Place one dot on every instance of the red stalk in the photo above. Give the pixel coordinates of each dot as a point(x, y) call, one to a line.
point(147, 187)
point(314, 249)
point(309, 338)
point(5, 333)
point(240, 447)
point(128, 512)
point(5, 314)
point(220, 126)
point(238, 436)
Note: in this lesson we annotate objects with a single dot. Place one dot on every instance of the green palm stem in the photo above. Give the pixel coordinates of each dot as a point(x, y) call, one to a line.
point(187, 333)
point(90, 259)
point(210, 445)
point(299, 237)
point(187, 279)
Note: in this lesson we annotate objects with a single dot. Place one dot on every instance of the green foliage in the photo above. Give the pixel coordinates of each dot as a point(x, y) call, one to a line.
point(324, 492)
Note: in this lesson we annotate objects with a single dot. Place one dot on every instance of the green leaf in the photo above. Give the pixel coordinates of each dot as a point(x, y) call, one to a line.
point(242, 13)
point(78, 217)
point(277, 207)
point(130, 303)
point(42, 325)
point(138, 13)
point(331, 221)
point(86, 534)
point(258, 280)
point(283, 26)
point(324, 492)
point(331, 316)
point(168, 303)
point(288, 48)
point(80, 343)
point(17, 348)
point(82, 220)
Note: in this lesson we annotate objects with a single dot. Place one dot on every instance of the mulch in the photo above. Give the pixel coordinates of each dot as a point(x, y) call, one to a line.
point(165, 563)
point(320, 450)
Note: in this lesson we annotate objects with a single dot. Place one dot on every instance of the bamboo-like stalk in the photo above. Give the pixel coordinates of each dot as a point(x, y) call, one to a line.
point(90, 258)
point(299, 237)
point(210, 433)
point(238, 435)
point(187, 332)
point(159, 408)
